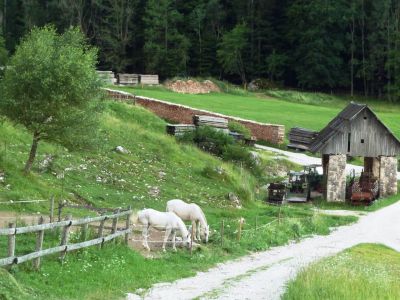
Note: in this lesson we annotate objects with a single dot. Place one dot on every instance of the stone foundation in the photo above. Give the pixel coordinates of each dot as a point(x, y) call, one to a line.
point(388, 176)
point(335, 177)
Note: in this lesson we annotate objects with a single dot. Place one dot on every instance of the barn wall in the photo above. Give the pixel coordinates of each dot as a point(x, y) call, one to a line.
point(184, 114)
point(377, 139)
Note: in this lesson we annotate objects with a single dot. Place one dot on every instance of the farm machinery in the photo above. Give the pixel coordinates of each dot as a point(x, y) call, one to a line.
point(364, 190)
point(297, 187)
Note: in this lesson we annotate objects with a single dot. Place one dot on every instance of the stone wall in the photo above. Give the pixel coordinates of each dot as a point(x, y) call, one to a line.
point(388, 176)
point(184, 114)
point(336, 178)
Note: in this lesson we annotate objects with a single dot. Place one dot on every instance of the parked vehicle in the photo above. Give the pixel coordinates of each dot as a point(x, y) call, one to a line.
point(297, 187)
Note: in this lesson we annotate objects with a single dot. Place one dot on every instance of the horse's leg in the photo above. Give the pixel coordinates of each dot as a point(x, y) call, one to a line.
point(194, 230)
point(167, 234)
point(173, 239)
point(145, 235)
point(198, 231)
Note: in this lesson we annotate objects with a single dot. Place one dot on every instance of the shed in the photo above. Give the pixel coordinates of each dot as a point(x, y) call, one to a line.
point(357, 131)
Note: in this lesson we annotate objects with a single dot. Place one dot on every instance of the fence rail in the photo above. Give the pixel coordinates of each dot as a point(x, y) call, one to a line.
point(64, 246)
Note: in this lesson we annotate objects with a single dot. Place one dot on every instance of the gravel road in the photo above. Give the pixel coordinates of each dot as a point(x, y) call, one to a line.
point(263, 275)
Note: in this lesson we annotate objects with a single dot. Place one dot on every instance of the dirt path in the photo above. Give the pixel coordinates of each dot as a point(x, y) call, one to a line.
point(264, 275)
point(303, 159)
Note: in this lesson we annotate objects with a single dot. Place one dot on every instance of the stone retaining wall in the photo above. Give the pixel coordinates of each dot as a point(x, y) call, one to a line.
point(184, 114)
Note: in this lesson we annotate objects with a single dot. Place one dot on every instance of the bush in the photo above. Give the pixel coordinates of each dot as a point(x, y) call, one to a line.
point(209, 140)
point(239, 128)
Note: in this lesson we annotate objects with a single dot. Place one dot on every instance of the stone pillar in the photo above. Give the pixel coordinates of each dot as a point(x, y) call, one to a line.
point(325, 162)
point(388, 176)
point(336, 178)
point(372, 165)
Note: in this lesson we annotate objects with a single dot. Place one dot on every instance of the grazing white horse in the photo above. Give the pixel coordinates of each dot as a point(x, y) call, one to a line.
point(190, 212)
point(167, 221)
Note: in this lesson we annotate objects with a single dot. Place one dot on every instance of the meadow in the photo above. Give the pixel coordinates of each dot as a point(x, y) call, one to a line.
point(103, 178)
point(289, 108)
point(366, 271)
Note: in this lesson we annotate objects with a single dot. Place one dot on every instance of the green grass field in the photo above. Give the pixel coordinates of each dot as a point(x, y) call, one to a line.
point(289, 108)
point(366, 271)
point(103, 178)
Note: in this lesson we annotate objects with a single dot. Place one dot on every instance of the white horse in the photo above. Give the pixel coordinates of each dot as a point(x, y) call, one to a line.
point(190, 212)
point(167, 221)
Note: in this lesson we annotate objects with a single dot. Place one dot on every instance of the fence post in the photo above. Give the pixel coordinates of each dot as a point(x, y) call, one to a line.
point(101, 229)
point(222, 233)
point(39, 245)
point(115, 222)
point(128, 219)
point(65, 236)
point(11, 242)
point(51, 208)
point(59, 210)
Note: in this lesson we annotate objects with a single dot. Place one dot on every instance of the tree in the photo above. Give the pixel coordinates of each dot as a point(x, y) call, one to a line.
point(276, 64)
point(165, 48)
point(49, 86)
point(3, 51)
point(115, 32)
point(231, 51)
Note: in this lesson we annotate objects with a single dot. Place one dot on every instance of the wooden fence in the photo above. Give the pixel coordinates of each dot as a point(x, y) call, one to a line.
point(64, 246)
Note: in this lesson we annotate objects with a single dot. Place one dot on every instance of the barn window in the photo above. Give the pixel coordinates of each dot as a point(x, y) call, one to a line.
point(365, 118)
point(362, 141)
point(348, 141)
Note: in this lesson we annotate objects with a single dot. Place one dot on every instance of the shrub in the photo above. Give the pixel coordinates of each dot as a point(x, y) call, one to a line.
point(239, 128)
point(209, 140)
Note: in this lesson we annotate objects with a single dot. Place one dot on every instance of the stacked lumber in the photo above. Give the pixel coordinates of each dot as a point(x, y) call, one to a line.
point(179, 129)
point(128, 79)
point(149, 79)
point(107, 77)
point(301, 138)
point(201, 120)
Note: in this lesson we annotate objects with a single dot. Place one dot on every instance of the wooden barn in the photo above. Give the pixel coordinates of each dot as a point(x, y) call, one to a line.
point(357, 132)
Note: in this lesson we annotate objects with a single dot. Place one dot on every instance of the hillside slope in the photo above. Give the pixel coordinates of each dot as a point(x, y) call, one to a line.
point(156, 169)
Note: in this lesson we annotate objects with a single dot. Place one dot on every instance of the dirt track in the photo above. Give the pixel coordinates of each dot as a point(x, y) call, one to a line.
point(264, 275)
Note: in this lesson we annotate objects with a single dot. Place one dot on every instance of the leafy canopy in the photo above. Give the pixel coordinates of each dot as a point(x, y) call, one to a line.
point(50, 82)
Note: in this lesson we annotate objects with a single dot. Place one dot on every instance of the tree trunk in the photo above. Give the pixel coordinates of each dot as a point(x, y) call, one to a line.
point(32, 154)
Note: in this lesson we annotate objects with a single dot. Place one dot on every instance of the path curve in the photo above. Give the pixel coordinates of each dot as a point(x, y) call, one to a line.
point(263, 275)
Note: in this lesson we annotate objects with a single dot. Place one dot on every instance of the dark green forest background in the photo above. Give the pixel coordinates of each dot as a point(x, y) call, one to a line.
point(327, 45)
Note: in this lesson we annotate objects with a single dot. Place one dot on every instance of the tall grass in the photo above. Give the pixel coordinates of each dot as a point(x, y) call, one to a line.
point(366, 271)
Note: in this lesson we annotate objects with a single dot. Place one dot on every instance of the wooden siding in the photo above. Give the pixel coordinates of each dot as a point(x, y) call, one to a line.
point(365, 126)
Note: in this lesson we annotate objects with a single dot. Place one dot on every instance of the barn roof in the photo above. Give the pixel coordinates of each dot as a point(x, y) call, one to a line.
point(349, 113)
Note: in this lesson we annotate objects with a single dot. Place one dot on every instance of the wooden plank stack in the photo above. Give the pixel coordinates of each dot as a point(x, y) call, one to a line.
point(128, 79)
point(201, 120)
point(179, 129)
point(301, 138)
point(149, 79)
point(107, 76)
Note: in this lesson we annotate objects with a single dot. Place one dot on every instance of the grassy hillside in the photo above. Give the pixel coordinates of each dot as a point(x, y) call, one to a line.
point(366, 271)
point(290, 108)
point(104, 178)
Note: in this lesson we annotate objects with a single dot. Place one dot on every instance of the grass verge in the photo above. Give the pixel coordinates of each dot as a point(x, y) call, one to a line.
point(366, 271)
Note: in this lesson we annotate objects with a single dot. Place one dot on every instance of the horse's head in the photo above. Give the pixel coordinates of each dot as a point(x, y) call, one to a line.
point(187, 240)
